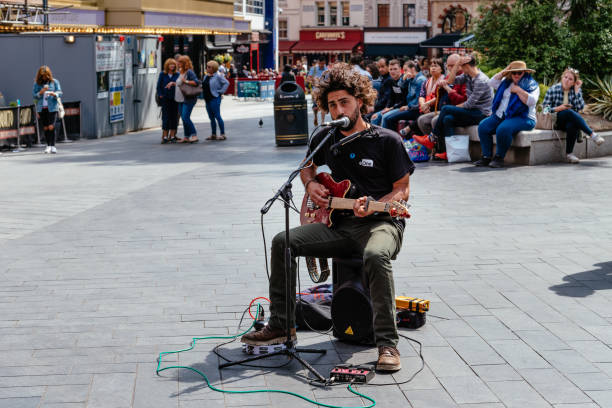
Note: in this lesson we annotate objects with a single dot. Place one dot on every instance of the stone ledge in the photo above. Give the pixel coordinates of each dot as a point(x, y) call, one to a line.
point(539, 146)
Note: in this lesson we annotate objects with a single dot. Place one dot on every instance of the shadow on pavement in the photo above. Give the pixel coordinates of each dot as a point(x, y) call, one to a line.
point(583, 284)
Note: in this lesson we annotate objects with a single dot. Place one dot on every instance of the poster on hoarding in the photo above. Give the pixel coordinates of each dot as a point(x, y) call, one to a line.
point(129, 70)
point(115, 101)
point(110, 55)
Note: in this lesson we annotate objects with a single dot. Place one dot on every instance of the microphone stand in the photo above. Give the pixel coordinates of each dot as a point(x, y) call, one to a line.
point(290, 350)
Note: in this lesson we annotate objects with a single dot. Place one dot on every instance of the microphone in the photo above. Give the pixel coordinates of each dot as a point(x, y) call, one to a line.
point(342, 123)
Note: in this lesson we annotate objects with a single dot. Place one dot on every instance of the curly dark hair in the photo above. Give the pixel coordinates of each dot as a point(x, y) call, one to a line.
point(341, 76)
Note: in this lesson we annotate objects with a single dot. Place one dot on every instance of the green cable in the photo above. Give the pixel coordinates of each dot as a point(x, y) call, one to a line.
point(193, 343)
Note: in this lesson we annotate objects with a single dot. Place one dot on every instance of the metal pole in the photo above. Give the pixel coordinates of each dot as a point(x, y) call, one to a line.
point(275, 34)
point(45, 15)
point(37, 128)
point(66, 140)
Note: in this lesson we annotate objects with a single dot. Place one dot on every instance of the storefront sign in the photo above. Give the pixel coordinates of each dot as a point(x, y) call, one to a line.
point(186, 20)
point(330, 35)
point(394, 37)
point(320, 35)
point(77, 17)
point(110, 56)
point(242, 49)
point(115, 101)
point(9, 123)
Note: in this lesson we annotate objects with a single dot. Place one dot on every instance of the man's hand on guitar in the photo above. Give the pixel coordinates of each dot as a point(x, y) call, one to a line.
point(318, 193)
point(359, 207)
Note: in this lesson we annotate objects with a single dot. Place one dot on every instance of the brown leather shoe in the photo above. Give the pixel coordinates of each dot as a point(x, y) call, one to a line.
point(267, 336)
point(388, 359)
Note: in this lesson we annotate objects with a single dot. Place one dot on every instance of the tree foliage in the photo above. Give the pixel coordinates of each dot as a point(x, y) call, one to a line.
point(547, 37)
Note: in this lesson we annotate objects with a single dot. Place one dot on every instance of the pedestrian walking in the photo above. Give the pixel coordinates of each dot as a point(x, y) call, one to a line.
point(186, 103)
point(46, 93)
point(214, 86)
point(166, 89)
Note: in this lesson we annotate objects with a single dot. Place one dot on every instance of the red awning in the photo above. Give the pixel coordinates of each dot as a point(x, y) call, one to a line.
point(316, 47)
point(285, 45)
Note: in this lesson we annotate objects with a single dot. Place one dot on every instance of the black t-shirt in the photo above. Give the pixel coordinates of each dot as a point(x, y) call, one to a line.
point(372, 162)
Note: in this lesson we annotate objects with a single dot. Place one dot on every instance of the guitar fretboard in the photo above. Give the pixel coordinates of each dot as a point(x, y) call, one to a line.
point(347, 204)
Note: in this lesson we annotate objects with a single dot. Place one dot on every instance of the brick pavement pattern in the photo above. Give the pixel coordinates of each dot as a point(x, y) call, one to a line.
point(114, 250)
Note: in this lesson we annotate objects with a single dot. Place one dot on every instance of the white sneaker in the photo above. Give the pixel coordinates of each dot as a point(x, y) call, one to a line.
point(573, 159)
point(48, 149)
point(597, 139)
point(53, 149)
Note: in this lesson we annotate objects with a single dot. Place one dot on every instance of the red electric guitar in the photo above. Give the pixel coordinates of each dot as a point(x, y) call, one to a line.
point(311, 213)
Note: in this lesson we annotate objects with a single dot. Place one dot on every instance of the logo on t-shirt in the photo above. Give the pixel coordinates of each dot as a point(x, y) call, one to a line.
point(366, 163)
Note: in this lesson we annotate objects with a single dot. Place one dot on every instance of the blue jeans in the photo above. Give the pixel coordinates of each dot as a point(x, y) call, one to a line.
point(390, 119)
point(213, 108)
point(451, 116)
point(504, 129)
point(570, 121)
point(378, 119)
point(185, 108)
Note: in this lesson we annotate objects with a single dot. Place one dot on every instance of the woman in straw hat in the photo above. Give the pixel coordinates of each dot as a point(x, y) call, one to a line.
point(514, 110)
point(565, 99)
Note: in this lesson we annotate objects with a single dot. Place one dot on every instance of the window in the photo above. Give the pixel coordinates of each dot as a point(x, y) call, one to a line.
point(238, 6)
point(346, 8)
point(255, 6)
point(320, 13)
point(282, 29)
point(333, 14)
point(383, 15)
point(409, 15)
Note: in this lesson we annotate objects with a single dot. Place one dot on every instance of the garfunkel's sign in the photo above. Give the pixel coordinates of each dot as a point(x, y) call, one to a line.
point(330, 35)
point(9, 123)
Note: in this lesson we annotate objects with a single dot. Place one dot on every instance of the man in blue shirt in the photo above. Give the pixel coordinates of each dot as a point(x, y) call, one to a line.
point(313, 79)
point(412, 81)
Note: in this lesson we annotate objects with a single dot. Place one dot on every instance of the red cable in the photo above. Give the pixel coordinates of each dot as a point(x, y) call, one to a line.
point(251, 304)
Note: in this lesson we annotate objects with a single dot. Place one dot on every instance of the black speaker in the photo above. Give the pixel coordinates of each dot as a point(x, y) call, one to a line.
point(351, 309)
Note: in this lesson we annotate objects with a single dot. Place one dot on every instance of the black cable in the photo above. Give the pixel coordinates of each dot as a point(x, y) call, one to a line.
point(263, 234)
point(328, 384)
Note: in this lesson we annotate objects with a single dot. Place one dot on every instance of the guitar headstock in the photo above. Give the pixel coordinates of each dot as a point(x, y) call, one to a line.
point(399, 209)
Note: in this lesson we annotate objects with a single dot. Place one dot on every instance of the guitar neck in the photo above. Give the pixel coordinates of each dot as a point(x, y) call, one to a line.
point(347, 204)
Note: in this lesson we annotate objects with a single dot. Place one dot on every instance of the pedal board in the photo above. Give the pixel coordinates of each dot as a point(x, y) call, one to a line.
point(359, 374)
point(257, 350)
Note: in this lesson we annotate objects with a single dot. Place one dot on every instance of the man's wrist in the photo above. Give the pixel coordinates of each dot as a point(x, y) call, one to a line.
point(308, 182)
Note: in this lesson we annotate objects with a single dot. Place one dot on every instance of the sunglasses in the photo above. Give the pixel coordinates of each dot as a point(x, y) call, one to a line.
point(518, 73)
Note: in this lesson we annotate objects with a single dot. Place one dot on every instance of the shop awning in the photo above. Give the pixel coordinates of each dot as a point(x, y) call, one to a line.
point(317, 47)
point(442, 41)
point(285, 45)
point(386, 50)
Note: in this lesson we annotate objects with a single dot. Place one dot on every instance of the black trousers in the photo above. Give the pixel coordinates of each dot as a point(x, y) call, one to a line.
point(47, 118)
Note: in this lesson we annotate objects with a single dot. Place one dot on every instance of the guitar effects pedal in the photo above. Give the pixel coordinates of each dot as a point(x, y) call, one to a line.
point(360, 374)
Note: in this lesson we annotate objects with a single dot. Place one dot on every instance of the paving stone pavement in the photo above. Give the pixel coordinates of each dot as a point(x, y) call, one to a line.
point(115, 250)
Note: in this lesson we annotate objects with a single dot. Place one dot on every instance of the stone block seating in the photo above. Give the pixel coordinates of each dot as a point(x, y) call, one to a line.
point(540, 146)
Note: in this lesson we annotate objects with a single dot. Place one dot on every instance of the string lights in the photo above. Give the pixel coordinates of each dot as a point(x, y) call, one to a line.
point(82, 29)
